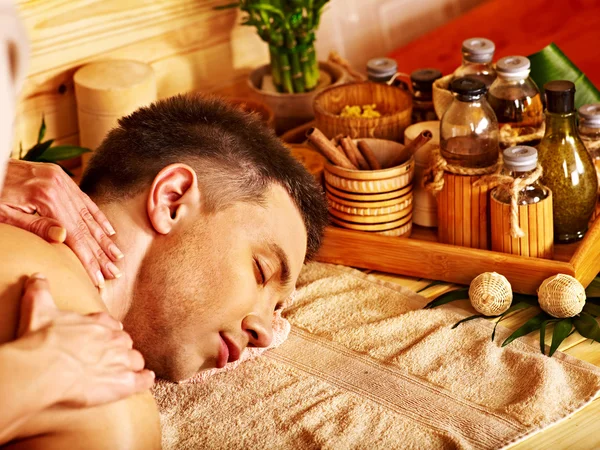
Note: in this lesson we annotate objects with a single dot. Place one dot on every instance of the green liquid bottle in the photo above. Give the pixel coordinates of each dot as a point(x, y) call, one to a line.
point(568, 168)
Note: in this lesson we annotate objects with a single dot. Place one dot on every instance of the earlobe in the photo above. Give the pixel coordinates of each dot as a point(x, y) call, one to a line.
point(173, 195)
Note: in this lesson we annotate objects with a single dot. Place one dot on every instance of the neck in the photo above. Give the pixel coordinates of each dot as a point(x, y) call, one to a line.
point(134, 237)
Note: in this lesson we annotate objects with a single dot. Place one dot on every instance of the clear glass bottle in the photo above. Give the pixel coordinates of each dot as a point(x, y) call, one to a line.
point(469, 129)
point(477, 60)
point(422, 86)
point(519, 162)
point(568, 168)
point(515, 98)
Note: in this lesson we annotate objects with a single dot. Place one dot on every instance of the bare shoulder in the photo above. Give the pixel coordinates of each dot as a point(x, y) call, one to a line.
point(23, 254)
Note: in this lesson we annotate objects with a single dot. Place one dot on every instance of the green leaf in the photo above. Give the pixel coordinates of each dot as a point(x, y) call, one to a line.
point(42, 131)
point(515, 307)
point(62, 152)
point(476, 316)
point(551, 63)
point(530, 299)
point(587, 326)
point(543, 336)
point(562, 329)
point(458, 294)
point(433, 283)
point(531, 325)
point(592, 308)
point(35, 152)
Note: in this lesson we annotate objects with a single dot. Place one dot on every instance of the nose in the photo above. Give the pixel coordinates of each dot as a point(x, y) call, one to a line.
point(259, 329)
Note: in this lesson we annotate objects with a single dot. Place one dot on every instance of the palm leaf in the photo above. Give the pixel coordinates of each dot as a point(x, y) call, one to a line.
point(467, 319)
point(42, 131)
point(458, 294)
point(530, 326)
point(562, 329)
point(552, 64)
point(62, 152)
point(512, 309)
point(587, 326)
point(35, 152)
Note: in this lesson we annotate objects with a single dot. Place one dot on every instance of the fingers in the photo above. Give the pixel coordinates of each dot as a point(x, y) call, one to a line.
point(44, 227)
point(98, 215)
point(105, 319)
point(37, 306)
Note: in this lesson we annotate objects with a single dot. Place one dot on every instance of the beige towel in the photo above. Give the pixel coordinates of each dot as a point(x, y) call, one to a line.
point(366, 367)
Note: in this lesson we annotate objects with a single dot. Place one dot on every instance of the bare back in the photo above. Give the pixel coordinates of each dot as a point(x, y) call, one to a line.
point(130, 423)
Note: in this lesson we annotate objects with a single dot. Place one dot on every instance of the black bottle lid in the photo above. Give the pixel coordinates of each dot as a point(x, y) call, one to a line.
point(422, 79)
point(560, 96)
point(467, 88)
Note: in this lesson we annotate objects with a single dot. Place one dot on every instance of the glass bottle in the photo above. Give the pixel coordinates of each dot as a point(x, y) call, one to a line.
point(469, 129)
point(515, 98)
point(382, 70)
point(422, 86)
point(519, 162)
point(568, 168)
point(477, 60)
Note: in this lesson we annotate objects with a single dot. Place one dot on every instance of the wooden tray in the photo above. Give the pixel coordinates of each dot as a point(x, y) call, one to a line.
point(422, 256)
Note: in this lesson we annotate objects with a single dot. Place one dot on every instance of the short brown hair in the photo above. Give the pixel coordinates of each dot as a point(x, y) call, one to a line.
point(235, 156)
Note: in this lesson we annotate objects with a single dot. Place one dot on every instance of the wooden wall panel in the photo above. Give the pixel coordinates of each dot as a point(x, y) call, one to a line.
point(189, 44)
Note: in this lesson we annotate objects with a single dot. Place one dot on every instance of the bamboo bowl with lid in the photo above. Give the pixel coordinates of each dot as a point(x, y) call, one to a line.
point(394, 104)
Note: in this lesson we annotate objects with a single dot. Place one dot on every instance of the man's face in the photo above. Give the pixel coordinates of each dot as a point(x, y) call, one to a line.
point(209, 289)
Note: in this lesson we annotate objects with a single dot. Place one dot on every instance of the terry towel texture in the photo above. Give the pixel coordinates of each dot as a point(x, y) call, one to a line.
point(366, 367)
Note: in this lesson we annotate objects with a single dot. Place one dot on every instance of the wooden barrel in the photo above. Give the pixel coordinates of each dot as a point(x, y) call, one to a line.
point(463, 212)
point(536, 222)
point(105, 91)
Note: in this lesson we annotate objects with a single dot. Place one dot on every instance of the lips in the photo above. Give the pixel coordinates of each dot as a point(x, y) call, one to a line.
point(230, 353)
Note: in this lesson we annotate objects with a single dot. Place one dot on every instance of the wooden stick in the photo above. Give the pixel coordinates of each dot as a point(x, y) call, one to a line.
point(423, 138)
point(369, 155)
point(360, 159)
point(327, 149)
point(347, 146)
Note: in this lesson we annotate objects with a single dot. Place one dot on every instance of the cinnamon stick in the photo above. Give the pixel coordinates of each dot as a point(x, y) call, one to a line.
point(423, 138)
point(369, 155)
point(327, 149)
point(362, 162)
point(346, 145)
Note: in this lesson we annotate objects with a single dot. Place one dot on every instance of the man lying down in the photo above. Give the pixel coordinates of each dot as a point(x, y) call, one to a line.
point(215, 218)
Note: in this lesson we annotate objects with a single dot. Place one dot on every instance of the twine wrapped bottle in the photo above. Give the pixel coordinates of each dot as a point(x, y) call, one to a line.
point(477, 60)
point(468, 150)
point(521, 207)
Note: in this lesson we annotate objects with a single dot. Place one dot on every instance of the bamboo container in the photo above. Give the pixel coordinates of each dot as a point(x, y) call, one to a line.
point(536, 222)
point(395, 106)
point(106, 91)
point(463, 212)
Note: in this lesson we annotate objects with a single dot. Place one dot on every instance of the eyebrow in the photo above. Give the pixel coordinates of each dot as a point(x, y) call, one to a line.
point(284, 263)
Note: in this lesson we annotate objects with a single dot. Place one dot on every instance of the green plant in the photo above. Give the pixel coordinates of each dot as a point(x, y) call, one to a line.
point(44, 152)
point(584, 323)
point(288, 26)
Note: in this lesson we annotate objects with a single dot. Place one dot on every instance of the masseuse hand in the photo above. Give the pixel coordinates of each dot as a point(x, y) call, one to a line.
point(64, 214)
point(92, 355)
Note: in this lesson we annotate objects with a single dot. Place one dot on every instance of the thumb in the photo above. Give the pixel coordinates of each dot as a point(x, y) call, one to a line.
point(37, 306)
point(44, 227)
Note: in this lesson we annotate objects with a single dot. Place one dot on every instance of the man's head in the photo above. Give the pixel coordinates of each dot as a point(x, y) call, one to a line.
point(230, 217)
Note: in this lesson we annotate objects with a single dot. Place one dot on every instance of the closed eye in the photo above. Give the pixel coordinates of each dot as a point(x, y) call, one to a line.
point(259, 273)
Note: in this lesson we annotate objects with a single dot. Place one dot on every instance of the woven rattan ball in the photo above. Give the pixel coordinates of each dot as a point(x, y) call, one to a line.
point(490, 294)
point(561, 296)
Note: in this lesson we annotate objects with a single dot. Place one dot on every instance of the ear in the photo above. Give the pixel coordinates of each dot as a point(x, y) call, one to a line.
point(174, 195)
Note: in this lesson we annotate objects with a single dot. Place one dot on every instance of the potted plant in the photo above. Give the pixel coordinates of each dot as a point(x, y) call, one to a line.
point(289, 83)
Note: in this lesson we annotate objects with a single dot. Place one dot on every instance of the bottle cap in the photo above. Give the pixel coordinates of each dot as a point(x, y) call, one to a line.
point(513, 67)
point(591, 115)
point(478, 50)
point(467, 88)
point(560, 96)
point(520, 158)
point(381, 69)
point(422, 79)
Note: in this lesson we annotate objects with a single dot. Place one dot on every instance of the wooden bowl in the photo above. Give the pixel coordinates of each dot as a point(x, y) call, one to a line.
point(442, 97)
point(396, 208)
point(371, 226)
point(366, 197)
point(374, 181)
point(265, 113)
point(394, 104)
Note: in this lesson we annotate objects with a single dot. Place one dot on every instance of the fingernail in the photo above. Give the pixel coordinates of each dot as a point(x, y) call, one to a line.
point(114, 270)
point(153, 374)
point(57, 234)
point(109, 229)
point(115, 251)
point(121, 325)
point(37, 276)
point(100, 280)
